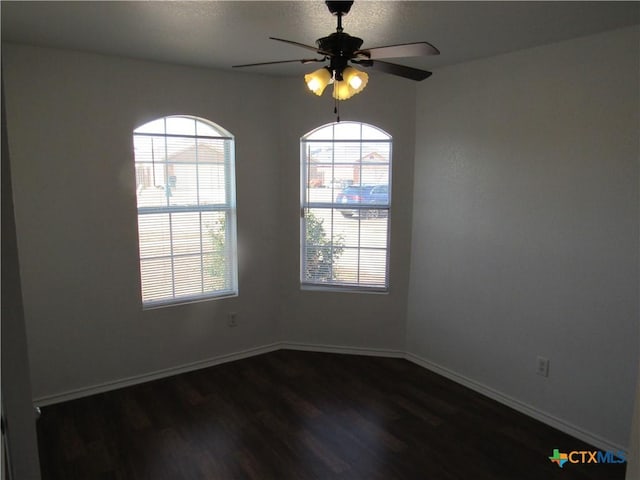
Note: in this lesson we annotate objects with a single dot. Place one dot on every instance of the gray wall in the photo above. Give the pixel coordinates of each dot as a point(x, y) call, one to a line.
point(17, 408)
point(525, 227)
point(71, 118)
point(371, 321)
point(72, 115)
point(633, 465)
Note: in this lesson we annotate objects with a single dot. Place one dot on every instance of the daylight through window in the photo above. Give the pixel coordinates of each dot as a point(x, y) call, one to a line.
point(346, 200)
point(185, 188)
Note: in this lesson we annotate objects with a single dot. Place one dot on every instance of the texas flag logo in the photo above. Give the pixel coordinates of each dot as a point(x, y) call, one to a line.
point(559, 458)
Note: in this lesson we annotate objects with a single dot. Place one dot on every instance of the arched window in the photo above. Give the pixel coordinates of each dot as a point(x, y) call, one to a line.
point(185, 185)
point(346, 200)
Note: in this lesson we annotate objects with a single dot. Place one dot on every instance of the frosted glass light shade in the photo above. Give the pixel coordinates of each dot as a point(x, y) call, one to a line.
point(317, 81)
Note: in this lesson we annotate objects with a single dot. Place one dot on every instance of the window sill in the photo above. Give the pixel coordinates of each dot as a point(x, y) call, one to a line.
point(187, 301)
point(343, 289)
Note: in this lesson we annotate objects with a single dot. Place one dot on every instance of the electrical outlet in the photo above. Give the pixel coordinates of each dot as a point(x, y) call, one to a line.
point(232, 319)
point(543, 367)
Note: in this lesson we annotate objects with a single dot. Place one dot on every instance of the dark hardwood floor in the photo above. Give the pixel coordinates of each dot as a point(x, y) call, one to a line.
point(302, 415)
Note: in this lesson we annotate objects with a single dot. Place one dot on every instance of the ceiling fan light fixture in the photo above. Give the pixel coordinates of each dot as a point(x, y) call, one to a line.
point(353, 82)
point(340, 48)
point(317, 81)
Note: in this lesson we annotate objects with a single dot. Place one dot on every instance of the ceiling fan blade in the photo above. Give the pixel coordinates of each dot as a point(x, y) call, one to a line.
point(395, 69)
point(304, 61)
point(417, 49)
point(297, 44)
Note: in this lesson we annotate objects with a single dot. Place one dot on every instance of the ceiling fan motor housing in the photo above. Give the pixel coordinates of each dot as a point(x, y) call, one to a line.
point(340, 43)
point(342, 47)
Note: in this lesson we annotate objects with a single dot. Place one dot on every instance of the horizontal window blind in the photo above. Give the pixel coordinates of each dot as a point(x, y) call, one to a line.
point(346, 202)
point(186, 210)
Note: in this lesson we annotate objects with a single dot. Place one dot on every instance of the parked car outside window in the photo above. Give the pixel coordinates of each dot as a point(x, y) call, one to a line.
point(362, 195)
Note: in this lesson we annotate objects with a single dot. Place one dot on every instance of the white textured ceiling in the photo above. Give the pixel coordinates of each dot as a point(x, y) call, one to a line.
point(224, 33)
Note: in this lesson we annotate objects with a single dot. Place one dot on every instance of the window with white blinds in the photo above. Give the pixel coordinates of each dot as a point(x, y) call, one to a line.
point(346, 200)
point(185, 185)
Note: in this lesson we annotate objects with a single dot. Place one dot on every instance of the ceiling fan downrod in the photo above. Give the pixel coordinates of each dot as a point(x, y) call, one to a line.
point(339, 9)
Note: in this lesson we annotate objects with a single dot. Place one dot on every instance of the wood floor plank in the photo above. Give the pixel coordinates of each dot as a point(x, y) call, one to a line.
point(302, 415)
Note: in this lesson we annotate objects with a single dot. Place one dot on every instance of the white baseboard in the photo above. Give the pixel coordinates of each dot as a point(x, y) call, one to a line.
point(546, 418)
point(348, 350)
point(210, 362)
point(147, 377)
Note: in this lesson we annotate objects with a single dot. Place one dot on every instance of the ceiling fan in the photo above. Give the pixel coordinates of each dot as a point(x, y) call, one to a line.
point(340, 49)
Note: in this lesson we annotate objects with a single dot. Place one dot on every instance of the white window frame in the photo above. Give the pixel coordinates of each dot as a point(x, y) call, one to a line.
point(228, 207)
point(306, 204)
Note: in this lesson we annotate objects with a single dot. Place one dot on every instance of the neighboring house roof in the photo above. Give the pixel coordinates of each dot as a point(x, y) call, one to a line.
point(204, 152)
